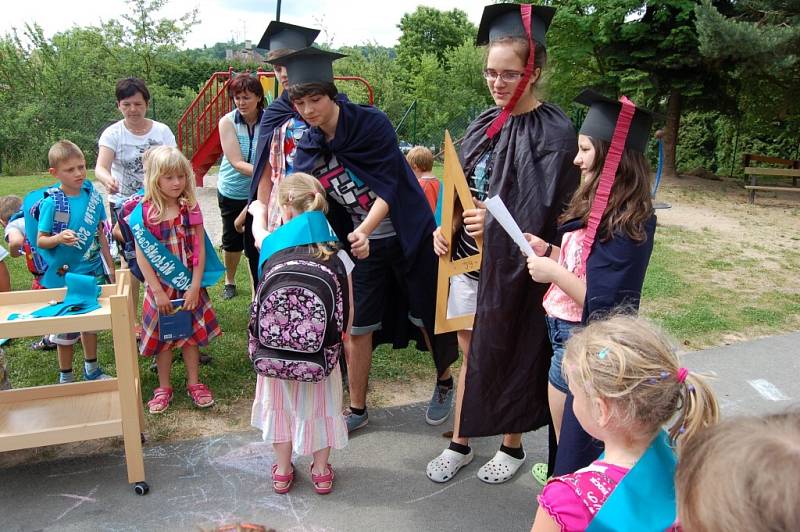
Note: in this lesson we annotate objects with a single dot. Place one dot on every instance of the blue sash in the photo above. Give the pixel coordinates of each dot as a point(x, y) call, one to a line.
point(308, 228)
point(61, 258)
point(81, 297)
point(166, 265)
point(645, 498)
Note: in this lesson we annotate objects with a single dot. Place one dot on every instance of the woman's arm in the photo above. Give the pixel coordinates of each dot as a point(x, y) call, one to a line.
point(231, 147)
point(102, 170)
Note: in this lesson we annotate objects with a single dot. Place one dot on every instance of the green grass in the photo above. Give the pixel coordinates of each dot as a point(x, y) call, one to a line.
point(230, 376)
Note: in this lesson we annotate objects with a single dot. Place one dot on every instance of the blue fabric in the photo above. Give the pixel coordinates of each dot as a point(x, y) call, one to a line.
point(231, 183)
point(660, 167)
point(615, 274)
point(82, 294)
point(30, 201)
point(166, 265)
point(308, 228)
point(366, 144)
point(86, 213)
point(274, 116)
point(645, 498)
point(559, 331)
point(437, 216)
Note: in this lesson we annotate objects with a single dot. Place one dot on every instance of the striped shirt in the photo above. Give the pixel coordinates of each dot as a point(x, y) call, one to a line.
point(478, 183)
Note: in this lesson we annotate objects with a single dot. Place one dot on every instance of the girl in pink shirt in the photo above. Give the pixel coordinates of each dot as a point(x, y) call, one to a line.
point(627, 383)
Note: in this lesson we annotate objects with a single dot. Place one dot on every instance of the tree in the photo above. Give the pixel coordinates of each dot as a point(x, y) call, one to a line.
point(431, 31)
point(148, 37)
point(646, 49)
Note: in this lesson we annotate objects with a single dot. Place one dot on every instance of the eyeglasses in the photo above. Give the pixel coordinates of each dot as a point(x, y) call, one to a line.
point(508, 76)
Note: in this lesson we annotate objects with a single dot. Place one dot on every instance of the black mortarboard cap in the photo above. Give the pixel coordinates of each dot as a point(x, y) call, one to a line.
point(601, 119)
point(309, 65)
point(281, 35)
point(505, 20)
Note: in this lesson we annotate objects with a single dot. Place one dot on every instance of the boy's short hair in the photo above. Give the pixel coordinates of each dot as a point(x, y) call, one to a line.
point(301, 90)
point(421, 157)
point(741, 474)
point(127, 87)
point(8, 206)
point(61, 151)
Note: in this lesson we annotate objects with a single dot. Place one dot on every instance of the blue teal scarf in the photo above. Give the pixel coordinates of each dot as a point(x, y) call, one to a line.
point(82, 294)
point(166, 265)
point(308, 228)
point(645, 498)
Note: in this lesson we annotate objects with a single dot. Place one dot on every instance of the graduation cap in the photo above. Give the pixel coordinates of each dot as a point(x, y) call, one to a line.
point(601, 119)
point(280, 35)
point(505, 20)
point(309, 65)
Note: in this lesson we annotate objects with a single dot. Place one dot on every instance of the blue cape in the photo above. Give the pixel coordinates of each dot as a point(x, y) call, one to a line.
point(365, 143)
point(274, 116)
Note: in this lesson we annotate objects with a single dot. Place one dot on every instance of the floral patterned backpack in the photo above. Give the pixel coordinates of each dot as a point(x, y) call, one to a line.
point(298, 315)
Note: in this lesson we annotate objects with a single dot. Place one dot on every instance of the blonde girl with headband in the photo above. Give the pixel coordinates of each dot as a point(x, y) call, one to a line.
point(169, 216)
point(295, 416)
point(627, 384)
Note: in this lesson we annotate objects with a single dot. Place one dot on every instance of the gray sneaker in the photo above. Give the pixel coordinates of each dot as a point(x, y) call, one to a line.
point(439, 407)
point(229, 291)
point(354, 421)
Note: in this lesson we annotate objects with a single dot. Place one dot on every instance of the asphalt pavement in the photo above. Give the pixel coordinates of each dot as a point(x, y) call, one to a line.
point(380, 477)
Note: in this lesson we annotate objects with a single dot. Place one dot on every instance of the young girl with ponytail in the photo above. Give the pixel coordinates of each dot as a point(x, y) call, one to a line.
point(627, 384)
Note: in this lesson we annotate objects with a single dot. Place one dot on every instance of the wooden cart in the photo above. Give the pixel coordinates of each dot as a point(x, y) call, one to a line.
point(61, 413)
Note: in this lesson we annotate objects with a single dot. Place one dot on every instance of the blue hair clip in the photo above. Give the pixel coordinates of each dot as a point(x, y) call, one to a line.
point(603, 353)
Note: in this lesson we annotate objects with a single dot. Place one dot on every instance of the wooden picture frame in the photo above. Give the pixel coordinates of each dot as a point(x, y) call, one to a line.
point(455, 188)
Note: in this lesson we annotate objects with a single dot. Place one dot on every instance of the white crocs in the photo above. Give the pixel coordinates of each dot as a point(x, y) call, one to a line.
point(499, 469)
point(445, 466)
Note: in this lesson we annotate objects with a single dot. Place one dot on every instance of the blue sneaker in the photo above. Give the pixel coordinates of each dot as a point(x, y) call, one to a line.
point(96, 375)
point(440, 405)
point(354, 421)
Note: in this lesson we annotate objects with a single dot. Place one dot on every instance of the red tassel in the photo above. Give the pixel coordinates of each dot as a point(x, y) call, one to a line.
point(526, 11)
point(607, 177)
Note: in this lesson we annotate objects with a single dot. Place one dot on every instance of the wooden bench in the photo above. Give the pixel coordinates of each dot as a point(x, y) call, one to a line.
point(754, 172)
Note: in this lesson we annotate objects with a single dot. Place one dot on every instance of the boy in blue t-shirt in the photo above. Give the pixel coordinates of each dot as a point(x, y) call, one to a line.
point(86, 216)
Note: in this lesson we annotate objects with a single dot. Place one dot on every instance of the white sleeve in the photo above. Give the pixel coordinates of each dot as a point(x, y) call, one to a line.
point(18, 224)
point(346, 260)
point(167, 137)
point(3, 253)
point(110, 137)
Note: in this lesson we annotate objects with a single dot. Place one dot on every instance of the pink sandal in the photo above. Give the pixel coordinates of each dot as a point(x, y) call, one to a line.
point(200, 394)
point(160, 401)
point(283, 479)
point(322, 479)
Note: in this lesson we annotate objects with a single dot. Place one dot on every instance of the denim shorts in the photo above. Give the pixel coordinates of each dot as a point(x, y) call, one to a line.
point(560, 331)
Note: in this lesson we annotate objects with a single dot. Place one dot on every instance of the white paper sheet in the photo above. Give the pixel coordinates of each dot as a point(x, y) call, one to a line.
point(500, 212)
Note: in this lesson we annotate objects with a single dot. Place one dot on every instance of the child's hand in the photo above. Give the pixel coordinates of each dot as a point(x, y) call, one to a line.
point(68, 237)
point(474, 219)
point(191, 298)
point(162, 302)
point(359, 244)
point(440, 245)
point(257, 208)
point(542, 269)
point(539, 246)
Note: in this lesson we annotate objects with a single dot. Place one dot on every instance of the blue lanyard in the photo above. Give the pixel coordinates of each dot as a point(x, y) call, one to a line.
point(166, 265)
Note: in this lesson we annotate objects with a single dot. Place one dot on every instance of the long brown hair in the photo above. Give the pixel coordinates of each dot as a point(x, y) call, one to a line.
point(629, 206)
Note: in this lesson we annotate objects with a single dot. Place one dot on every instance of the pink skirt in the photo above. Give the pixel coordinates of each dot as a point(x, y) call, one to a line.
point(307, 414)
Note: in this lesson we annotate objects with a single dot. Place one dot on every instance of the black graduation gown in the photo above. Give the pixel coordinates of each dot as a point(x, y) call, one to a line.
point(506, 381)
point(615, 274)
